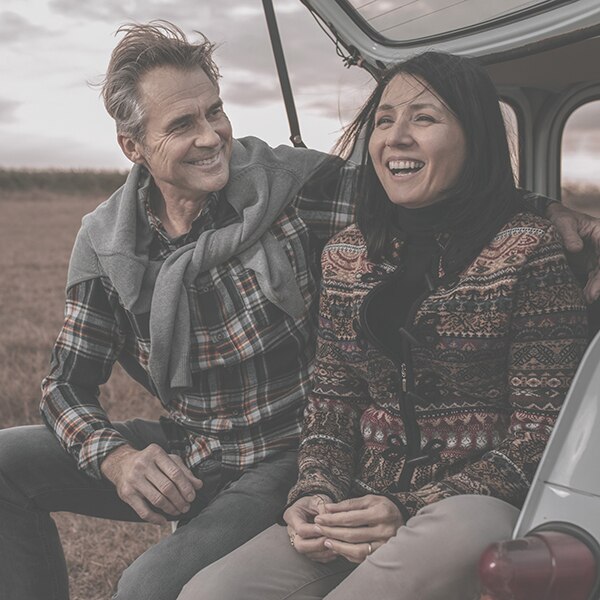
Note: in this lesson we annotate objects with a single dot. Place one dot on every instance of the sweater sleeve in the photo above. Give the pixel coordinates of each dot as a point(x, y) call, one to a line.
point(331, 435)
point(549, 335)
point(82, 360)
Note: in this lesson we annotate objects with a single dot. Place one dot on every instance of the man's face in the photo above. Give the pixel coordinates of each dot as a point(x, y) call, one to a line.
point(188, 140)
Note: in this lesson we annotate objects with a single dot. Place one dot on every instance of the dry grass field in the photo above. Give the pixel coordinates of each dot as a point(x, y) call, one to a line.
point(37, 229)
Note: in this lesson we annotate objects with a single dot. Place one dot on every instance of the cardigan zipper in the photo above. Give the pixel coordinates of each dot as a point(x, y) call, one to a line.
point(414, 454)
point(411, 425)
point(404, 375)
point(404, 367)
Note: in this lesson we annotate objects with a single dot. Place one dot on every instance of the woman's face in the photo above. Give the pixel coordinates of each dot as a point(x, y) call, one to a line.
point(417, 145)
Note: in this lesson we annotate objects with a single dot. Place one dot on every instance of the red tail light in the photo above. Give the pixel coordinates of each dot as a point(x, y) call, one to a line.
point(544, 565)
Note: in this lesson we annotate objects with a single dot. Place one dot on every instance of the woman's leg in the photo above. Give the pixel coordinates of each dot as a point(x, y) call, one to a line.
point(266, 568)
point(435, 556)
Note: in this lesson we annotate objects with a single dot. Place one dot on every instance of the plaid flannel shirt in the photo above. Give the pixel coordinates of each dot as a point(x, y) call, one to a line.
point(250, 362)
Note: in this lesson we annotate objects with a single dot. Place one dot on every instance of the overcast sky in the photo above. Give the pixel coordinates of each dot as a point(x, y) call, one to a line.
point(51, 49)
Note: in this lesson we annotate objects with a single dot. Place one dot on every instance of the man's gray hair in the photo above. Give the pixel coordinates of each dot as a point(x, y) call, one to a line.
point(145, 47)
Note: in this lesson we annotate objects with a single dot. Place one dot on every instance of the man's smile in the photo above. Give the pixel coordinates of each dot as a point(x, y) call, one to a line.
point(205, 162)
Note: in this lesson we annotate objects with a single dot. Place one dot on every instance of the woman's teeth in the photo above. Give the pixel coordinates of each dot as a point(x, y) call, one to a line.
point(405, 167)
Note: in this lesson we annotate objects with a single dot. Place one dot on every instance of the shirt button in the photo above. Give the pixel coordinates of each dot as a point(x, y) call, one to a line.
point(219, 337)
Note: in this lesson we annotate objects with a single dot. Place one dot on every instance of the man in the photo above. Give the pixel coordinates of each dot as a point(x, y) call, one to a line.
point(199, 277)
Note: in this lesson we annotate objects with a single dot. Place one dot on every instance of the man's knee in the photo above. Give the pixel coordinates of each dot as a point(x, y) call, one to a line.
point(157, 574)
point(31, 462)
point(137, 583)
point(19, 450)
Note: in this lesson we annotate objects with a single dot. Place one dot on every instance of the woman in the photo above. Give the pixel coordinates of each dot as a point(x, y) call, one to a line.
point(450, 329)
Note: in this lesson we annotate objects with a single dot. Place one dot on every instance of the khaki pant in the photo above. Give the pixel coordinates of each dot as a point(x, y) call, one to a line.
point(433, 557)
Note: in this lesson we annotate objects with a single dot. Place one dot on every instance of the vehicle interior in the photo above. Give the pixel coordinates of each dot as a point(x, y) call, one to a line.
point(543, 57)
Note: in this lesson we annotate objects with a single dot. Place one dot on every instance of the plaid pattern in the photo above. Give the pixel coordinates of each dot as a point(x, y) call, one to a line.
point(250, 362)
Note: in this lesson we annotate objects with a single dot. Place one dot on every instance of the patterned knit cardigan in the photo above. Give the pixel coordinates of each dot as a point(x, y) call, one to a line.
point(493, 354)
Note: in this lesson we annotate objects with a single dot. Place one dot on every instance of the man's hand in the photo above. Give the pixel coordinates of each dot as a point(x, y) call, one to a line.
point(355, 528)
point(149, 479)
point(580, 232)
point(303, 534)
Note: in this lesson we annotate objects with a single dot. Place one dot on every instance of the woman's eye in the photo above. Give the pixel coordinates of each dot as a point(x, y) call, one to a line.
point(383, 121)
point(425, 118)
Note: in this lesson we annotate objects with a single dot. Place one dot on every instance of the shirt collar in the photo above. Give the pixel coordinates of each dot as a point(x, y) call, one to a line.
point(207, 218)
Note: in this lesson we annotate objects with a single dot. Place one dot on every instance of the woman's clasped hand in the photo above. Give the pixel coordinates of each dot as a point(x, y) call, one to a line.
point(354, 528)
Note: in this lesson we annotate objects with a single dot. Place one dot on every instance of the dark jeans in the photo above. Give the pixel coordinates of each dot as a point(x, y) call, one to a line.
point(38, 477)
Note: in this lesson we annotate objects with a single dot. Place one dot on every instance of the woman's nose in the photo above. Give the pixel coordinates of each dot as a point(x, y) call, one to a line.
point(399, 134)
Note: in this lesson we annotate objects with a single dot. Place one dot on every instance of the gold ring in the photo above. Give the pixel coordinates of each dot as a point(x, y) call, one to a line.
point(292, 536)
point(369, 549)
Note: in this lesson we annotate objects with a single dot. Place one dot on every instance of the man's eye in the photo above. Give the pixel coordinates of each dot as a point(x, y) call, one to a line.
point(182, 125)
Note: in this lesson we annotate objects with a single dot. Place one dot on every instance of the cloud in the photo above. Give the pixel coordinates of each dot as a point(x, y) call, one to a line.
point(244, 52)
point(117, 11)
point(39, 151)
point(310, 56)
point(582, 131)
point(586, 117)
point(81, 49)
point(582, 142)
point(16, 28)
point(7, 110)
point(209, 13)
point(244, 91)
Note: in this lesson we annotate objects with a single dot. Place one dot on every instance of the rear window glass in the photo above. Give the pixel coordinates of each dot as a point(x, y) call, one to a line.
point(411, 20)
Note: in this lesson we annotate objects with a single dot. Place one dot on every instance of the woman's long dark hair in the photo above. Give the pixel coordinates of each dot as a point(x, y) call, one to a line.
point(483, 198)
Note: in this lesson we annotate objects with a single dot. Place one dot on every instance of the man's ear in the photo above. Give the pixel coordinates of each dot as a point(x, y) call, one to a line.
point(131, 149)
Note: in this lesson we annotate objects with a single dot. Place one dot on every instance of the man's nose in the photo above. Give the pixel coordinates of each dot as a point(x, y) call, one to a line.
point(206, 136)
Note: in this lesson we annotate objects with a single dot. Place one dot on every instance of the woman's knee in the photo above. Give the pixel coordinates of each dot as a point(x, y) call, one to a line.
point(434, 556)
point(471, 515)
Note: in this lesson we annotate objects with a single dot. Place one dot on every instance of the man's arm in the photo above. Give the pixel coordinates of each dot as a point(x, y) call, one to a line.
point(580, 236)
point(85, 351)
point(82, 360)
point(325, 200)
point(580, 233)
